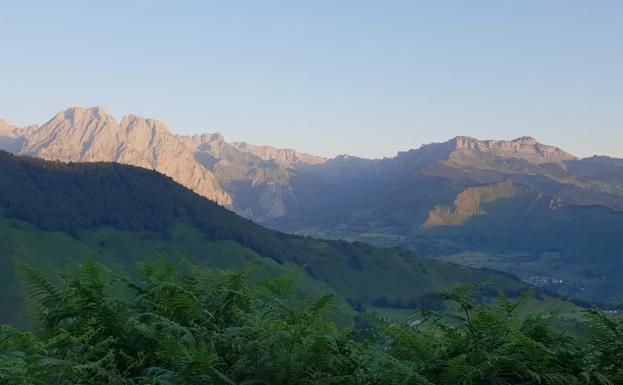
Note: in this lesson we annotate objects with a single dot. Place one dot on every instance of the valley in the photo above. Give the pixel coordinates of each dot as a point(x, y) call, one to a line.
point(56, 214)
point(443, 200)
point(311, 193)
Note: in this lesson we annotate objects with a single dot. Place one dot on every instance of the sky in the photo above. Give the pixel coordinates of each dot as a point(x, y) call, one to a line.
point(365, 78)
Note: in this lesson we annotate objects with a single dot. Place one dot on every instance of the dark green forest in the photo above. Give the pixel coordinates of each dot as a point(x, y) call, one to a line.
point(69, 197)
point(52, 213)
point(184, 324)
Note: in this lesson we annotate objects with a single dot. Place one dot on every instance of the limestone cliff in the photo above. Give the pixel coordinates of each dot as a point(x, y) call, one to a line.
point(525, 148)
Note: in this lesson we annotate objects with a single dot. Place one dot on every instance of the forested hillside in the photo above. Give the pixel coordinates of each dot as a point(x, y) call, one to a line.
point(490, 203)
point(54, 213)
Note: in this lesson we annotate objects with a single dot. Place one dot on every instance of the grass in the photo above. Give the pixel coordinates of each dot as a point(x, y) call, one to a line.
point(362, 275)
point(54, 251)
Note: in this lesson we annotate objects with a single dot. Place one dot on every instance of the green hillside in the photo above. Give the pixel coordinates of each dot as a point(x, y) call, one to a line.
point(54, 213)
point(574, 250)
point(518, 206)
point(530, 225)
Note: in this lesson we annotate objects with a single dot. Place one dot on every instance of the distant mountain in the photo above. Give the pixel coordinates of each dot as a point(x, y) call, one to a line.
point(250, 179)
point(53, 213)
point(506, 201)
point(518, 206)
point(11, 137)
point(406, 193)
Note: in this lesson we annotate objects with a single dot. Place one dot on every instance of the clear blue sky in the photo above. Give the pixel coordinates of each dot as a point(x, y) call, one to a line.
point(367, 78)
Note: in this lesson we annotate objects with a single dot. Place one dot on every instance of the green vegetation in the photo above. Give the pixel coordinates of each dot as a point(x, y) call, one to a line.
point(371, 275)
point(79, 196)
point(49, 251)
point(183, 324)
point(443, 200)
point(534, 236)
point(468, 204)
point(531, 235)
point(54, 213)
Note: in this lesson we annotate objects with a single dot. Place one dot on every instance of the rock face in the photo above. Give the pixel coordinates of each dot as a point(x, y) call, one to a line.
point(204, 163)
point(443, 185)
point(525, 148)
point(6, 128)
point(11, 137)
point(91, 135)
point(285, 156)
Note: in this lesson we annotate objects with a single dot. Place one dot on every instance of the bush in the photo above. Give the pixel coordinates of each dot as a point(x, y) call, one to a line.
point(183, 324)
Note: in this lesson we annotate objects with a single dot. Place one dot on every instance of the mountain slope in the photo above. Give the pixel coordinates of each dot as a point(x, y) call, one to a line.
point(274, 185)
point(399, 193)
point(87, 135)
point(502, 199)
point(54, 212)
point(439, 200)
point(204, 163)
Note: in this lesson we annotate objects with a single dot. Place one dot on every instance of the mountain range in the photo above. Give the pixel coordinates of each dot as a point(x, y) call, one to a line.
point(520, 206)
point(223, 172)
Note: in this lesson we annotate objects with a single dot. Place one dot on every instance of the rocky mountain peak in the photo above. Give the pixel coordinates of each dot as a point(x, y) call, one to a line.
point(81, 134)
point(204, 162)
point(11, 139)
point(280, 155)
point(205, 138)
point(77, 114)
point(216, 137)
point(133, 123)
point(526, 140)
point(524, 147)
point(6, 128)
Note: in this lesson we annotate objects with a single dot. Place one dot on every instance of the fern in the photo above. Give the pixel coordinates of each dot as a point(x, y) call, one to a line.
point(182, 324)
point(39, 286)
